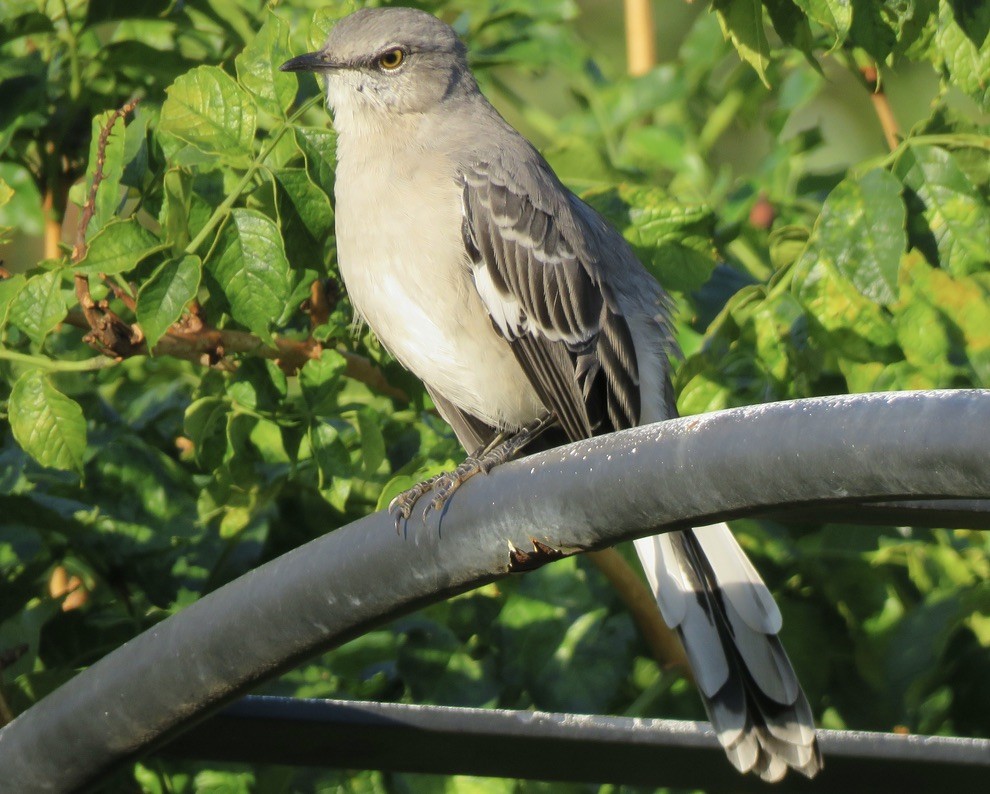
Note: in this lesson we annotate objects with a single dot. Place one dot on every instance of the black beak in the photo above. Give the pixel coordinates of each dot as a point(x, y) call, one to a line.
point(310, 62)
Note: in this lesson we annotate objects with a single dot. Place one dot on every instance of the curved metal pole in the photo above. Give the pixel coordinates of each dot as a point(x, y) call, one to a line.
point(691, 471)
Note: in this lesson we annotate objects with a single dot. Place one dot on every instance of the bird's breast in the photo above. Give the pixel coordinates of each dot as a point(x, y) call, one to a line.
point(404, 267)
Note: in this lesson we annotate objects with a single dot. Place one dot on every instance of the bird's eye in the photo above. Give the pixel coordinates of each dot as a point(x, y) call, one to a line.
point(392, 59)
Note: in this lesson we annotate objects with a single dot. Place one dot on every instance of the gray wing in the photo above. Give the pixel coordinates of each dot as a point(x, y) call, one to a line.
point(535, 264)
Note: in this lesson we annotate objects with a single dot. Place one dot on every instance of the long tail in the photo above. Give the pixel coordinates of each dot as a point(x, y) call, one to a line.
point(709, 591)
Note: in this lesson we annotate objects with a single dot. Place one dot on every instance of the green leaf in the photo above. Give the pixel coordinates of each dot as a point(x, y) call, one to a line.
point(319, 380)
point(259, 385)
point(257, 67)
point(39, 306)
point(876, 25)
point(963, 302)
point(861, 231)
point(206, 109)
point(792, 27)
point(6, 192)
point(48, 425)
point(319, 145)
point(163, 296)
point(108, 195)
point(956, 213)
point(118, 247)
point(205, 424)
point(372, 441)
point(742, 24)
point(252, 270)
point(967, 61)
point(309, 202)
point(9, 288)
point(20, 25)
point(307, 220)
point(670, 237)
point(855, 326)
point(329, 452)
point(833, 15)
point(184, 211)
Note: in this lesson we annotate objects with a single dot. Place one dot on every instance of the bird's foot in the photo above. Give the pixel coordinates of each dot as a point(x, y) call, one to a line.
point(481, 462)
point(443, 485)
point(402, 505)
point(450, 481)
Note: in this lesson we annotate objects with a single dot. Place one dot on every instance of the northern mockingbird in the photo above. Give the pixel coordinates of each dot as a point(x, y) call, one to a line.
point(524, 313)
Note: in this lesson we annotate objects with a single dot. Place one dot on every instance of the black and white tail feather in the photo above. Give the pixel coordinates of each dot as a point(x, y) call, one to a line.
point(710, 593)
point(590, 328)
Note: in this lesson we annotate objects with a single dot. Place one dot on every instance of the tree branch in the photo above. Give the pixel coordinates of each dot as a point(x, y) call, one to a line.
point(881, 105)
point(108, 334)
point(641, 47)
point(664, 644)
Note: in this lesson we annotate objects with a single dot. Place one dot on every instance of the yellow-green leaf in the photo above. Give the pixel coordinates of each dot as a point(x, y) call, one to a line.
point(208, 110)
point(39, 305)
point(118, 247)
point(48, 425)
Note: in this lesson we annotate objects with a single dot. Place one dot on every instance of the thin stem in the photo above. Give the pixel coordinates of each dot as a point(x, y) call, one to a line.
point(222, 211)
point(75, 80)
point(53, 365)
point(881, 106)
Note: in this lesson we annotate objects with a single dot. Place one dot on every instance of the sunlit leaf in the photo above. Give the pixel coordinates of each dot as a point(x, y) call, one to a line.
point(251, 269)
point(861, 231)
point(966, 60)
point(742, 23)
point(206, 109)
point(165, 294)
point(39, 305)
point(118, 248)
point(257, 67)
point(49, 426)
point(957, 215)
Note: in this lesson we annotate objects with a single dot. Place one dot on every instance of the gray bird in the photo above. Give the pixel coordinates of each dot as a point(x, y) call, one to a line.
point(526, 315)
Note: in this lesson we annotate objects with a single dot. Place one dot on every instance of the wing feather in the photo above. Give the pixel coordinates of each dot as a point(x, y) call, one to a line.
point(544, 292)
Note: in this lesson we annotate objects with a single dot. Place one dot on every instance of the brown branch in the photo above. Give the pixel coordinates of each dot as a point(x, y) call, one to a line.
point(89, 208)
point(881, 105)
point(641, 47)
point(125, 297)
point(108, 332)
point(53, 227)
point(192, 340)
point(663, 643)
point(323, 296)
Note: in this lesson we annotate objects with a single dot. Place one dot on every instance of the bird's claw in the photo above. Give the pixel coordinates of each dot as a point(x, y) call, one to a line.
point(444, 485)
point(402, 505)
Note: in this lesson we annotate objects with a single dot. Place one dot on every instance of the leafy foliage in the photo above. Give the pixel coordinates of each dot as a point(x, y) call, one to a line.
point(185, 395)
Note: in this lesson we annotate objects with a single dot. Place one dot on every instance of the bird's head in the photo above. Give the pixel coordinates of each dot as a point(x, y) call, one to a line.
point(387, 61)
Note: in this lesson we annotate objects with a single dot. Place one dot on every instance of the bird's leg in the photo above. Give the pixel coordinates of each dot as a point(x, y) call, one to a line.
point(502, 448)
point(499, 451)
